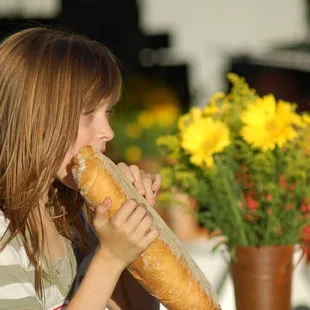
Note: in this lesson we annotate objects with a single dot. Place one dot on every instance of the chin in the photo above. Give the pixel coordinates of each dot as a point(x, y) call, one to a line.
point(65, 175)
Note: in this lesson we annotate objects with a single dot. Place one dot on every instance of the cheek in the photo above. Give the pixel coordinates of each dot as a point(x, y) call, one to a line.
point(84, 137)
point(64, 174)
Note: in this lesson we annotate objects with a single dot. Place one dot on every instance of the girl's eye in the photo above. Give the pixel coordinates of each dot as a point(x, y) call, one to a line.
point(110, 112)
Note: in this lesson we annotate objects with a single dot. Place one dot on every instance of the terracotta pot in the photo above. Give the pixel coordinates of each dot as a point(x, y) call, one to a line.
point(262, 278)
point(182, 220)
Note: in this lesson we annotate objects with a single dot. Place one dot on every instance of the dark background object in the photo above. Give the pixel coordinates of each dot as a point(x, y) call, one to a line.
point(285, 82)
point(114, 23)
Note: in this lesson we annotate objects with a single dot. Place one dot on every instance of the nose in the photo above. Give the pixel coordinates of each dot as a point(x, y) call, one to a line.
point(107, 133)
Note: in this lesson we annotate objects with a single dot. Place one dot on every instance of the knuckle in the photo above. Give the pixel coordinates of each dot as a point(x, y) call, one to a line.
point(141, 209)
point(134, 167)
point(142, 206)
point(133, 239)
point(127, 232)
point(131, 203)
point(149, 216)
point(148, 220)
point(146, 177)
point(115, 222)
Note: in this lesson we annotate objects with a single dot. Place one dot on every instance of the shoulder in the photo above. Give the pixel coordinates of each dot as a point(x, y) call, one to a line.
point(17, 280)
point(13, 257)
point(14, 252)
point(17, 275)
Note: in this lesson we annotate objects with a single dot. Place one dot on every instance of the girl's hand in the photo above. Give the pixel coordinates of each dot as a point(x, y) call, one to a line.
point(127, 234)
point(147, 184)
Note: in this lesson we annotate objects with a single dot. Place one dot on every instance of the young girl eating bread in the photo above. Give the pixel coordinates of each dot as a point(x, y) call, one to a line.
point(57, 92)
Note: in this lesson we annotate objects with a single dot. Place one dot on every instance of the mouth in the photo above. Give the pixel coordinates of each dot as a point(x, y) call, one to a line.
point(102, 150)
point(98, 148)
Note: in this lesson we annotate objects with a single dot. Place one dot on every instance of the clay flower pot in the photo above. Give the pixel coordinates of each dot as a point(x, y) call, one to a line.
point(262, 277)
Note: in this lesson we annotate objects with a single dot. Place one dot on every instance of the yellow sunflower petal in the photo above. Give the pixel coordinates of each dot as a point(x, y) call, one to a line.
point(204, 138)
point(268, 124)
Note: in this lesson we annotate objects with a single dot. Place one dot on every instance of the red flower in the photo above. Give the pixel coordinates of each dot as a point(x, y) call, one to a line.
point(306, 233)
point(283, 181)
point(269, 197)
point(250, 217)
point(289, 206)
point(304, 208)
point(250, 184)
point(252, 204)
point(292, 187)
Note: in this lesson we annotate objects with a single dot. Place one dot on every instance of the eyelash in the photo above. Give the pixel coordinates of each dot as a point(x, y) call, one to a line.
point(110, 112)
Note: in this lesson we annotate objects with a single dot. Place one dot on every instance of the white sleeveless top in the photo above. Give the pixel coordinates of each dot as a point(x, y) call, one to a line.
point(17, 289)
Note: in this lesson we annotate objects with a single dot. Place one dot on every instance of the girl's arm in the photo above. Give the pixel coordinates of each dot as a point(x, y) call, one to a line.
point(98, 284)
point(122, 239)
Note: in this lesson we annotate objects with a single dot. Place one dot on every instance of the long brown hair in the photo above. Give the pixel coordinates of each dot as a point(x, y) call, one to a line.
point(47, 78)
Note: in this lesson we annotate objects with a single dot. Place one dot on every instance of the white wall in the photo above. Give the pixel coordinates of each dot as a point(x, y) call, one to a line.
point(204, 32)
point(29, 8)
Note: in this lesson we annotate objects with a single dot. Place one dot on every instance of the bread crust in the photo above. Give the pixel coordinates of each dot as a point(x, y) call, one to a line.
point(165, 269)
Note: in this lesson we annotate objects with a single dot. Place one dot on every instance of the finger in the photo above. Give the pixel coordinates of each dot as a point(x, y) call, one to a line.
point(151, 236)
point(124, 212)
point(147, 182)
point(156, 182)
point(101, 213)
point(138, 179)
point(136, 217)
point(144, 226)
point(126, 171)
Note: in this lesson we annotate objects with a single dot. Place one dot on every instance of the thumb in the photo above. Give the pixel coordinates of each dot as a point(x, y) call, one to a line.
point(101, 213)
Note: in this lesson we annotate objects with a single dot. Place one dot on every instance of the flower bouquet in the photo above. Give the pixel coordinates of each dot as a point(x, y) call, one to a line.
point(245, 159)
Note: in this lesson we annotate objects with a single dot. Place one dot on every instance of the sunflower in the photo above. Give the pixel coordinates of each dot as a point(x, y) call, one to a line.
point(204, 138)
point(268, 124)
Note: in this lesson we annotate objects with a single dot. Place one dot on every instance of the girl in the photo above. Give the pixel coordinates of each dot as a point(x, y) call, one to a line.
point(57, 91)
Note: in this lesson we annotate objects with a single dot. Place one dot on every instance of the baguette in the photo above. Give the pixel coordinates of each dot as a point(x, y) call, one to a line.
point(165, 269)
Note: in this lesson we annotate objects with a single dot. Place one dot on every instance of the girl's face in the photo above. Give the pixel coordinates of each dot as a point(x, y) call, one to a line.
point(93, 130)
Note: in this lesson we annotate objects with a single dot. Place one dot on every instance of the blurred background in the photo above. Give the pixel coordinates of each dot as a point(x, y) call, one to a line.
point(174, 55)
